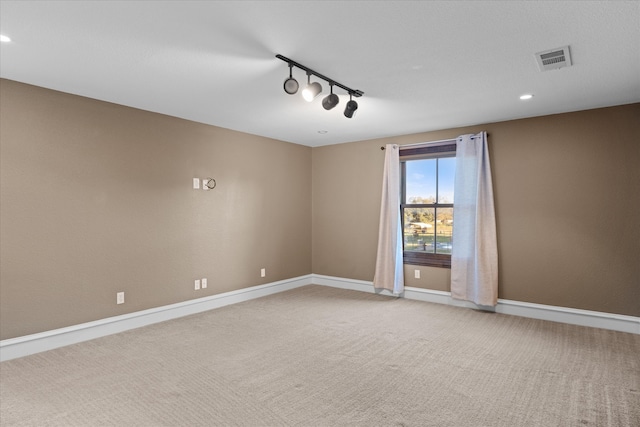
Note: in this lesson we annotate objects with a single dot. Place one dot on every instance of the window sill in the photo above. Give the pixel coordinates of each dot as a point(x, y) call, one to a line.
point(426, 259)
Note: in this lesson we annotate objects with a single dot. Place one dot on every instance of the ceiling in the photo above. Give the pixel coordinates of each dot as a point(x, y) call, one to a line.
point(422, 65)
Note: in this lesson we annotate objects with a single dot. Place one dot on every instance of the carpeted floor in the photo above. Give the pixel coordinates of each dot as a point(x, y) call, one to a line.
point(318, 356)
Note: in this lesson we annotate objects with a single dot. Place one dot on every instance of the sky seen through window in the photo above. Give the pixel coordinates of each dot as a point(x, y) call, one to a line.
point(421, 179)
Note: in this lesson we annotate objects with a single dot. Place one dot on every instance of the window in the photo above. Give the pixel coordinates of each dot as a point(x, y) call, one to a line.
point(427, 204)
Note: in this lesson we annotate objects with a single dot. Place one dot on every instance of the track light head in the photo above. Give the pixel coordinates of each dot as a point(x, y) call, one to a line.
point(330, 100)
point(312, 90)
point(290, 84)
point(350, 109)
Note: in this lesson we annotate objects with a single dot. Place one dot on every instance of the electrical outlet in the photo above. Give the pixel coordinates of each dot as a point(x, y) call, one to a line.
point(196, 183)
point(416, 274)
point(263, 272)
point(204, 283)
point(197, 285)
point(120, 298)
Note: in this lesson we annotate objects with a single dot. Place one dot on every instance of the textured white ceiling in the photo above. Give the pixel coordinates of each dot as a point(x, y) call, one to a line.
point(422, 65)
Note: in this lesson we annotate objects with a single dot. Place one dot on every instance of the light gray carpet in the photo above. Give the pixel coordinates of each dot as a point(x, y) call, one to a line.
point(317, 356)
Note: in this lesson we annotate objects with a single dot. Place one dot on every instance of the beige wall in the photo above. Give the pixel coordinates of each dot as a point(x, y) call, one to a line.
point(567, 194)
point(97, 198)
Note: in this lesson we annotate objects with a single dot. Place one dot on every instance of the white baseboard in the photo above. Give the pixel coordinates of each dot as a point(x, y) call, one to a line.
point(30, 344)
point(594, 319)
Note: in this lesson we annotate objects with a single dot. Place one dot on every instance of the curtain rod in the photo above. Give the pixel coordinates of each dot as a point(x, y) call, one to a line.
point(442, 141)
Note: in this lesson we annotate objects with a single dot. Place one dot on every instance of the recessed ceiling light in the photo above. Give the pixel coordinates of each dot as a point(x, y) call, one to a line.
point(526, 96)
point(4, 39)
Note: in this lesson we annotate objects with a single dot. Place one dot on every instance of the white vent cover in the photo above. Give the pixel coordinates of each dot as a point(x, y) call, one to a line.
point(554, 58)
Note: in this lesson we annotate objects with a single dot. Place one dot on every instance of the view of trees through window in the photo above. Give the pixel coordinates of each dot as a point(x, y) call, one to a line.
point(428, 205)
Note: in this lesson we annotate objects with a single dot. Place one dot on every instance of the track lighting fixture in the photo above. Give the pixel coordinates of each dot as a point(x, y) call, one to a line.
point(314, 89)
point(351, 108)
point(330, 100)
point(291, 84)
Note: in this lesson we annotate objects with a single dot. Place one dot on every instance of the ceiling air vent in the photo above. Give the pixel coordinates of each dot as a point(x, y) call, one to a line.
point(554, 59)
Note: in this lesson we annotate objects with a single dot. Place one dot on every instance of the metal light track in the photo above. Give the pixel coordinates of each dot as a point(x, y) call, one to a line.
point(354, 92)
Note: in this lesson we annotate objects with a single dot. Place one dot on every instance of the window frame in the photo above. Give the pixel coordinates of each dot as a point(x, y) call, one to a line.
point(443, 150)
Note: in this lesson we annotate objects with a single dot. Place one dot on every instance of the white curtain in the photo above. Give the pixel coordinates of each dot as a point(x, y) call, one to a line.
point(474, 258)
point(389, 267)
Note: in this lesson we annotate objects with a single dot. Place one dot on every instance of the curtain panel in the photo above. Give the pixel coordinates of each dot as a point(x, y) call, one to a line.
point(389, 272)
point(474, 257)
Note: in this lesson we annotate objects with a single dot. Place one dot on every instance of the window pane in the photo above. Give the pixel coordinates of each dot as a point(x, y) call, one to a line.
point(446, 175)
point(444, 229)
point(419, 229)
point(421, 181)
